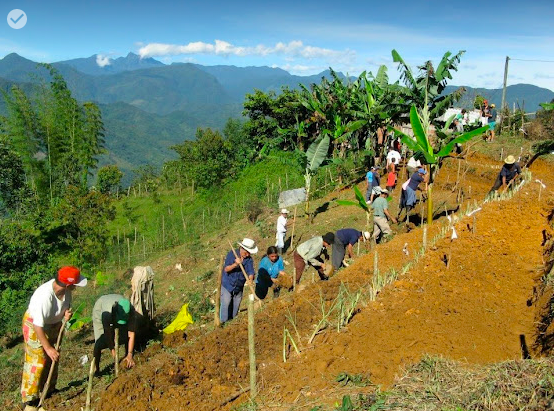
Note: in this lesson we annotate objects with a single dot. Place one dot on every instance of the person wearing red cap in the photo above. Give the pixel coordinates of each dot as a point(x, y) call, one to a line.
point(49, 305)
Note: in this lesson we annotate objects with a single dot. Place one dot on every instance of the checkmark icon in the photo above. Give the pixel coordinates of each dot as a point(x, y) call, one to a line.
point(19, 18)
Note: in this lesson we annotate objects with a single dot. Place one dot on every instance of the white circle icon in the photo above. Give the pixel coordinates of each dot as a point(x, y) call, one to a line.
point(17, 19)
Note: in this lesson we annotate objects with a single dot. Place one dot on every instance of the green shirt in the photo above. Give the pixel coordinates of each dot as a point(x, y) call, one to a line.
point(379, 205)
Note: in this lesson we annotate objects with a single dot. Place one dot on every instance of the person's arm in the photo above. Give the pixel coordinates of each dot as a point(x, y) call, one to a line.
point(349, 248)
point(232, 263)
point(48, 348)
point(390, 216)
point(130, 362)
point(249, 268)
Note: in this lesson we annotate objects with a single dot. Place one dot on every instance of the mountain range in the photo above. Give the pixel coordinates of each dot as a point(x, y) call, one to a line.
point(148, 106)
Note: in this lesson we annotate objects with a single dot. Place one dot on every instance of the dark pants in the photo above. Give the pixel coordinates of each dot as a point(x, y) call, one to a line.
point(230, 303)
point(339, 250)
point(498, 184)
point(300, 265)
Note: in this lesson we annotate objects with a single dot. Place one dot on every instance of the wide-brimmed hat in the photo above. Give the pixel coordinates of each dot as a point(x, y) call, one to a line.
point(384, 191)
point(249, 245)
point(70, 275)
point(510, 160)
point(284, 211)
point(366, 235)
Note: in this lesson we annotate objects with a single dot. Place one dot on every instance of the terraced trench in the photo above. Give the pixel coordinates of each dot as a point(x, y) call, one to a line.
point(484, 308)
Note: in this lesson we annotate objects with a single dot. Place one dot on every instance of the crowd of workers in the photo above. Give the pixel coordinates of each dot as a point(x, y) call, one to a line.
point(51, 303)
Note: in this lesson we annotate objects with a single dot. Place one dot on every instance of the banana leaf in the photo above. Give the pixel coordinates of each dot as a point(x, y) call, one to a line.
point(414, 145)
point(317, 153)
point(460, 140)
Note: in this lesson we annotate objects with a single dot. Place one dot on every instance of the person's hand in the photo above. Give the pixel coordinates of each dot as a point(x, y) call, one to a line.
point(323, 266)
point(129, 362)
point(52, 353)
point(113, 352)
point(68, 314)
point(394, 220)
point(238, 261)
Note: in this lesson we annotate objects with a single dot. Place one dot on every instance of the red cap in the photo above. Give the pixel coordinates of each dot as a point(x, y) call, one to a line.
point(70, 275)
point(485, 101)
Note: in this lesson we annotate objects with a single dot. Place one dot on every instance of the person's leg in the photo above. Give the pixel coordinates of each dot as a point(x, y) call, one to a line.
point(299, 266)
point(276, 291)
point(338, 253)
point(383, 225)
point(33, 366)
point(497, 184)
point(224, 308)
point(376, 230)
point(237, 298)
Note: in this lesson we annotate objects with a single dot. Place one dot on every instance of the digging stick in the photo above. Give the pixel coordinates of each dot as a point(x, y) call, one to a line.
point(243, 271)
point(251, 347)
point(52, 365)
point(425, 237)
point(217, 318)
point(89, 387)
point(293, 225)
point(116, 348)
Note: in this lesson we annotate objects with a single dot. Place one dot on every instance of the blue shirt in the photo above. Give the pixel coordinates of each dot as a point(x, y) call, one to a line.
point(268, 268)
point(415, 180)
point(234, 280)
point(348, 236)
point(369, 177)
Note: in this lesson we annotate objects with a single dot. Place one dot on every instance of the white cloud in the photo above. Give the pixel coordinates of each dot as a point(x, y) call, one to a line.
point(293, 49)
point(102, 61)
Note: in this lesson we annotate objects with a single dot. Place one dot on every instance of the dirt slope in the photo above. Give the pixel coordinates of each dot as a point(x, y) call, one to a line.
point(476, 311)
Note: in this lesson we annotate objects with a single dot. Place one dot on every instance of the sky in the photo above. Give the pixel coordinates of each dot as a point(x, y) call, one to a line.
point(302, 37)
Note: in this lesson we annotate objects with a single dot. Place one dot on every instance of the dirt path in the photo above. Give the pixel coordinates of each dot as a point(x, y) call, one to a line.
point(474, 311)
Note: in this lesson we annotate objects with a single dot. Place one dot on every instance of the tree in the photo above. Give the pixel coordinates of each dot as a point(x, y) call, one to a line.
point(206, 159)
point(109, 178)
point(433, 155)
point(315, 156)
point(425, 90)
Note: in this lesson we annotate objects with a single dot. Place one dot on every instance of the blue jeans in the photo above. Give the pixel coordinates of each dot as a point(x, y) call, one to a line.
point(230, 303)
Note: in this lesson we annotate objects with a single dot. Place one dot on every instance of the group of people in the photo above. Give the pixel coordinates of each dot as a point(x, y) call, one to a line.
point(48, 311)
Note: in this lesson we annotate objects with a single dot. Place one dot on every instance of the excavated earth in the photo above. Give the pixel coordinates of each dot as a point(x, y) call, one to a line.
point(480, 309)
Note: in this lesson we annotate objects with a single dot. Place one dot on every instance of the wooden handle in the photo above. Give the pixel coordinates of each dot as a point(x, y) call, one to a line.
point(52, 366)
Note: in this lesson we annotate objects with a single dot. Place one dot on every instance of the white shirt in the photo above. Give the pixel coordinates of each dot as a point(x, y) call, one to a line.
point(282, 224)
point(393, 154)
point(413, 163)
point(45, 308)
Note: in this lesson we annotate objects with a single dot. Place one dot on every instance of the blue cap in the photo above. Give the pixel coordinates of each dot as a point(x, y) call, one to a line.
point(422, 171)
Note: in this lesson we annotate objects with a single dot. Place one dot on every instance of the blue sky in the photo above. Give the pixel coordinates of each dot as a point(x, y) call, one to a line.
point(303, 37)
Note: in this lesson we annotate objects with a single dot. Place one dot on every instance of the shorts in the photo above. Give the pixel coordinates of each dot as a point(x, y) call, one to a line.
point(492, 125)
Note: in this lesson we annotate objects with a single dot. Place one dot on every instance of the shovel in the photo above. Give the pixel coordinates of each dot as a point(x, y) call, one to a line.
point(52, 366)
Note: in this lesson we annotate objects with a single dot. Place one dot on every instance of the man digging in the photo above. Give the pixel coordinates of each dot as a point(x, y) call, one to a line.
point(344, 242)
point(381, 226)
point(310, 252)
point(113, 311)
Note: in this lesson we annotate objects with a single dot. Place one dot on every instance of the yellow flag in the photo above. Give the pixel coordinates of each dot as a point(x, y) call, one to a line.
point(180, 322)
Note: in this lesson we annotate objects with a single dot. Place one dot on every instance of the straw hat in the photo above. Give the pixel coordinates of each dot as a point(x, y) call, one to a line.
point(284, 211)
point(366, 235)
point(249, 245)
point(510, 160)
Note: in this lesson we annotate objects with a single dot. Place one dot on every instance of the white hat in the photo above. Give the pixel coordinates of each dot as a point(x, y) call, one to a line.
point(384, 191)
point(249, 245)
point(284, 211)
point(366, 235)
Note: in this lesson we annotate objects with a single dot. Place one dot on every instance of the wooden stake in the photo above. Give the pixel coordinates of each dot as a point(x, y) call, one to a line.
point(243, 271)
point(163, 232)
point(425, 237)
point(143, 247)
point(52, 366)
point(293, 225)
point(116, 349)
point(89, 387)
point(251, 347)
point(375, 261)
point(128, 252)
point(217, 318)
point(135, 243)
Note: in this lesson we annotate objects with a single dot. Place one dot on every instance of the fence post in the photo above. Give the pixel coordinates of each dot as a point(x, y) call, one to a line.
point(128, 252)
point(217, 317)
point(251, 347)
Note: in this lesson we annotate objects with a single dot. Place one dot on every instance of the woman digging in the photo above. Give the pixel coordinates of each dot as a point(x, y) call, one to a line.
point(50, 305)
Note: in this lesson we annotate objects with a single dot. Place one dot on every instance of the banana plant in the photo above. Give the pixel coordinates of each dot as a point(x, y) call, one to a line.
point(360, 203)
point(315, 156)
point(433, 155)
